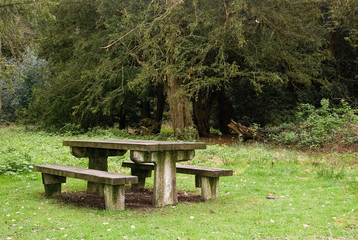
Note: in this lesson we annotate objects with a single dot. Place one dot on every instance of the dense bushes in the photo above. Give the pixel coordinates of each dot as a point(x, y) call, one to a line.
point(17, 93)
point(317, 126)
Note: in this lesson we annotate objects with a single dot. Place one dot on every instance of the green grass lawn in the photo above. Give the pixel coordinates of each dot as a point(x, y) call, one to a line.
point(318, 196)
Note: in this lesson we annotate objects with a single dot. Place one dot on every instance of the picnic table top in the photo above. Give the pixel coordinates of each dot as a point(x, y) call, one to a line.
point(136, 145)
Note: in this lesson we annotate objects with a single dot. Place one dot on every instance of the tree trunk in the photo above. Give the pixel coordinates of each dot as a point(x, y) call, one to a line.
point(201, 118)
point(122, 120)
point(160, 108)
point(225, 112)
point(145, 110)
point(203, 108)
point(246, 133)
point(160, 103)
point(1, 91)
point(178, 105)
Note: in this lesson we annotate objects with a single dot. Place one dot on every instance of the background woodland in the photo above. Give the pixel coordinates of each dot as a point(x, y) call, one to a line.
point(80, 64)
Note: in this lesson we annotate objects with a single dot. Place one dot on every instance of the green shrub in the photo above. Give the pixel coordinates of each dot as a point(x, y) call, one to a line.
point(71, 129)
point(188, 134)
point(286, 137)
point(317, 126)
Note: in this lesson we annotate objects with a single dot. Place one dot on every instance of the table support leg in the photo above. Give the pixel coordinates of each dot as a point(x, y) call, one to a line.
point(97, 160)
point(165, 182)
point(98, 163)
point(142, 174)
point(165, 188)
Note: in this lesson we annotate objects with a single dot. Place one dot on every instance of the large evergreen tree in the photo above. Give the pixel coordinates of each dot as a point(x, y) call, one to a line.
point(188, 46)
point(122, 61)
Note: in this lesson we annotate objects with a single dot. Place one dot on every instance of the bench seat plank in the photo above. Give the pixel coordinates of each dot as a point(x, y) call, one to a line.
point(113, 183)
point(204, 171)
point(87, 174)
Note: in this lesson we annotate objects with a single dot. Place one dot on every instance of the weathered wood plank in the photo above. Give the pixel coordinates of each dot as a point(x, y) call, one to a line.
point(81, 152)
point(186, 169)
point(204, 171)
point(87, 174)
point(137, 145)
point(177, 156)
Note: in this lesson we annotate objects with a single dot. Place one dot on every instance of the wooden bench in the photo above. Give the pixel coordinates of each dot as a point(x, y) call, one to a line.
point(113, 191)
point(205, 177)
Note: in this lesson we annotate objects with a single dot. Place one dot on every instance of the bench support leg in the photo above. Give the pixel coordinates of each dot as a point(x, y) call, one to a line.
point(114, 197)
point(209, 187)
point(52, 184)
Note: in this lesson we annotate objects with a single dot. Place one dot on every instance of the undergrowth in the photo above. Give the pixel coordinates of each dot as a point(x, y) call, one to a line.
point(315, 127)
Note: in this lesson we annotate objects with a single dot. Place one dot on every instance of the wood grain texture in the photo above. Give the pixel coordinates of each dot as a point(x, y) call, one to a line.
point(137, 145)
point(186, 169)
point(87, 174)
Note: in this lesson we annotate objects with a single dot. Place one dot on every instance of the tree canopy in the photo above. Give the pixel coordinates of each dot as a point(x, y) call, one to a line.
point(195, 63)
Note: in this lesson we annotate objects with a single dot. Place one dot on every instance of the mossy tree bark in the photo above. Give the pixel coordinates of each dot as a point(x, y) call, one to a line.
point(179, 105)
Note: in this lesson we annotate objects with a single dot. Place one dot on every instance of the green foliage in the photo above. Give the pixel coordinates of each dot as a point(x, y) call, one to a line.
point(15, 161)
point(344, 17)
point(107, 59)
point(70, 129)
point(7, 70)
point(281, 61)
point(18, 21)
point(318, 126)
point(88, 84)
point(18, 94)
point(188, 134)
point(290, 39)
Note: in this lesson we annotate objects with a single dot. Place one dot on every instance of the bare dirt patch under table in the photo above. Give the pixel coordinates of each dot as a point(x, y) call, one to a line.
point(140, 199)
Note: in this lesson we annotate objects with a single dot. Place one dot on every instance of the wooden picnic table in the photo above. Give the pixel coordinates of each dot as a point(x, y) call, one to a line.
point(163, 154)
